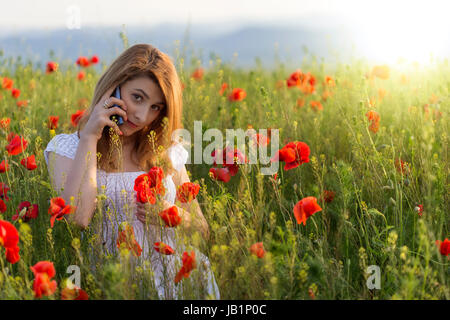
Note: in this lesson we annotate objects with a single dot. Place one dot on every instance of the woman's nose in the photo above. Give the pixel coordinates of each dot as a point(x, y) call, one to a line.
point(141, 115)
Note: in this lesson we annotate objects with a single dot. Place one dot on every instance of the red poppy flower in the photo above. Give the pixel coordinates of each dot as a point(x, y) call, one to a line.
point(29, 163)
point(58, 209)
point(294, 79)
point(293, 154)
point(51, 67)
point(170, 216)
point(74, 293)
point(311, 293)
point(7, 83)
point(316, 105)
point(144, 192)
point(381, 72)
point(237, 94)
point(44, 267)
point(10, 136)
point(305, 82)
point(9, 239)
point(15, 93)
point(402, 166)
point(444, 246)
point(148, 185)
point(419, 209)
point(22, 103)
point(187, 191)
point(4, 166)
point(311, 79)
point(43, 285)
point(16, 145)
point(189, 264)
point(308, 84)
point(305, 208)
point(258, 249)
point(3, 207)
point(12, 254)
point(163, 248)
point(221, 174)
point(4, 123)
point(308, 89)
point(328, 196)
point(300, 102)
point(76, 117)
point(198, 74)
point(83, 62)
point(231, 157)
point(329, 81)
point(94, 59)
point(223, 88)
point(81, 75)
point(156, 175)
point(53, 122)
point(26, 211)
point(4, 191)
point(372, 115)
point(126, 238)
point(261, 140)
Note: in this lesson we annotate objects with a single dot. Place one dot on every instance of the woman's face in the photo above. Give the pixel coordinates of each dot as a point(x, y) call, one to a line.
point(144, 100)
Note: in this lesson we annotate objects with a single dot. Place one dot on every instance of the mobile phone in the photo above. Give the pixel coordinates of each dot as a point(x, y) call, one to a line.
point(116, 118)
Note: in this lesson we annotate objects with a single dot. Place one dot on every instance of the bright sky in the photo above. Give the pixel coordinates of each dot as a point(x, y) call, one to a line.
point(54, 14)
point(400, 27)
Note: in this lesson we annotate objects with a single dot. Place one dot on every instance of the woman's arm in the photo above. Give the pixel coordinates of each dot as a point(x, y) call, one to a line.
point(81, 182)
point(191, 213)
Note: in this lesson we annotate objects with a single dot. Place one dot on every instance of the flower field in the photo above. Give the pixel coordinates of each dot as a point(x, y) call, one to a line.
point(362, 181)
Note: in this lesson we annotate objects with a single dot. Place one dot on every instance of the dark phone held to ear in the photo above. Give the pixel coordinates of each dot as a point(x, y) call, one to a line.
point(117, 118)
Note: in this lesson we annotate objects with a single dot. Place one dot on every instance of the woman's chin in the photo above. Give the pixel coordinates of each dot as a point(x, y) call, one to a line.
point(127, 131)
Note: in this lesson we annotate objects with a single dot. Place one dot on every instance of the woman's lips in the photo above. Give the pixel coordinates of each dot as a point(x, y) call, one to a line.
point(131, 124)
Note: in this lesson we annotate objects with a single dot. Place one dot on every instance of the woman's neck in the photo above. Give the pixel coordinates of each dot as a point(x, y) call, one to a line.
point(128, 142)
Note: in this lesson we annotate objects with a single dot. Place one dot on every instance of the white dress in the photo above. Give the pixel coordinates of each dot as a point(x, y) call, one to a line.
point(121, 206)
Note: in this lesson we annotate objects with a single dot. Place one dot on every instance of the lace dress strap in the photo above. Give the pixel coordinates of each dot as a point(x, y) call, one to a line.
point(179, 156)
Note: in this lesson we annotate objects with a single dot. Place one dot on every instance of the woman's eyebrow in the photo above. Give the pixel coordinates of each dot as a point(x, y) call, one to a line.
point(143, 92)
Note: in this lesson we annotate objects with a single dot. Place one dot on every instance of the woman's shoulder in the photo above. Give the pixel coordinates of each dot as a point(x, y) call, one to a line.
point(64, 144)
point(178, 154)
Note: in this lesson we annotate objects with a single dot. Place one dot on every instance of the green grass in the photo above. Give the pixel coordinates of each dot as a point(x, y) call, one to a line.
point(371, 220)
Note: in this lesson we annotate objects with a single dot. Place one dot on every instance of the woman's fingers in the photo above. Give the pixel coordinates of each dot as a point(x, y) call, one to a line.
point(119, 102)
point(143, 214)
point(114, 125)
point(117, 111)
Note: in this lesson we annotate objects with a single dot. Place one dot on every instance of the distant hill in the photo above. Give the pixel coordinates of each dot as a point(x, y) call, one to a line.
point(248, 42)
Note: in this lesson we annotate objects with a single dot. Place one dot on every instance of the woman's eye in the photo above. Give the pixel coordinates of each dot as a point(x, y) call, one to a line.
point(136, 96)
point(155, 106)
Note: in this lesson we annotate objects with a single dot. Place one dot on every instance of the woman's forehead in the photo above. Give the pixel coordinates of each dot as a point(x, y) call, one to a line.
point(146, 84)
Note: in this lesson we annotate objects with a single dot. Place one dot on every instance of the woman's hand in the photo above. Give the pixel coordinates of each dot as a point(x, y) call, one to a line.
point(149, 213)
point(99, 117)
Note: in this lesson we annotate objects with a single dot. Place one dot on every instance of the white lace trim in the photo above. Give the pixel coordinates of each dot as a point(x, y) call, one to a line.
point(66, 145)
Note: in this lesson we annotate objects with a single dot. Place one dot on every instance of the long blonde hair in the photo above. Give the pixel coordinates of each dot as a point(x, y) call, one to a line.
point(152, 141)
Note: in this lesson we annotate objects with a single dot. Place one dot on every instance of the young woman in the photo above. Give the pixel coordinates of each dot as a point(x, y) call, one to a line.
point(103, 157)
